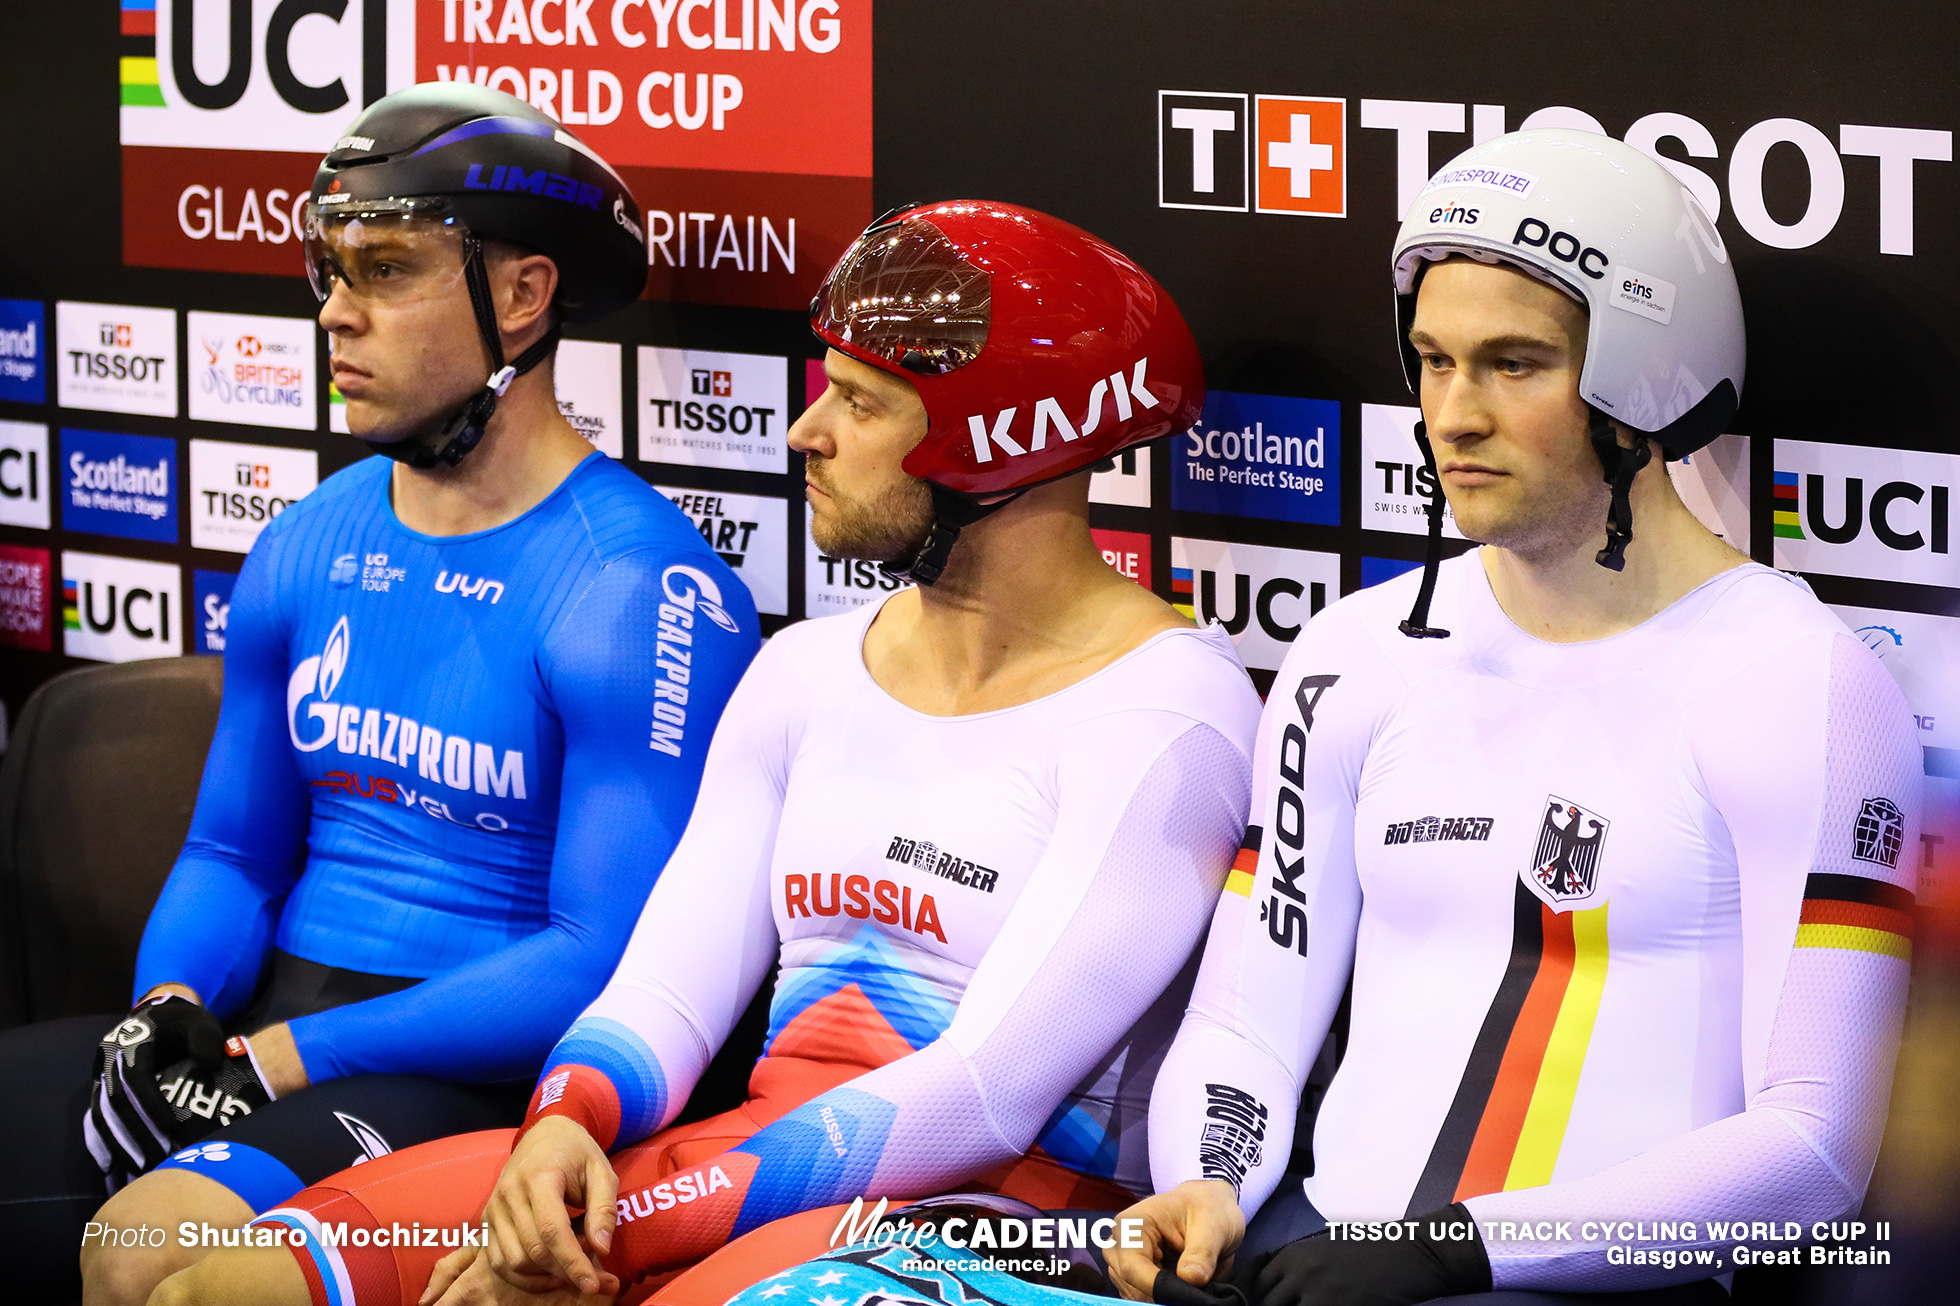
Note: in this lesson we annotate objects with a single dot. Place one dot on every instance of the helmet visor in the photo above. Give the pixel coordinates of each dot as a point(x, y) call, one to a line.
point(905, 293)
point(385, 251)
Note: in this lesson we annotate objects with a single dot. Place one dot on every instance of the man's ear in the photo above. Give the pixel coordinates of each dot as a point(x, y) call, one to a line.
point(525, 286)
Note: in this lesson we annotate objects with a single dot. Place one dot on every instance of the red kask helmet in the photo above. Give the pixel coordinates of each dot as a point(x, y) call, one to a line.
point(1037, 349)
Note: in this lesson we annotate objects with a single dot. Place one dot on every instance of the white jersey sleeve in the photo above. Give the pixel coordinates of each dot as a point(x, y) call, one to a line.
point(1282, 935)
point(1812, 767)
point(706, 937)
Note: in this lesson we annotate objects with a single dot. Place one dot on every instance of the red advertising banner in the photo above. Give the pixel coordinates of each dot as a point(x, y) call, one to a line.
point(744, 127)
point(26, 598)
point(215, 210)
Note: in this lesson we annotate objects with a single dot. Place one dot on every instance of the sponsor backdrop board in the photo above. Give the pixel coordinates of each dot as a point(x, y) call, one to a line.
point(1263, 596)
point(24, 474)
point(26, 598)
point(750, 532)
point(117, 358)
point(706, 408)
point(1257, 167)
point(587, 382)
point(210, 610)
point(1261, 456)
point(23, 351)
point(237, 488)
point(120, 609)
point(253, 370)
point(119, 485)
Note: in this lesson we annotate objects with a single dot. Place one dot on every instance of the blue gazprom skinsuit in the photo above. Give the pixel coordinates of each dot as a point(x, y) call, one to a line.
point(461, 758)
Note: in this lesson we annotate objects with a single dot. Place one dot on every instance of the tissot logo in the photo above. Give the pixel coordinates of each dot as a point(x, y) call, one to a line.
point(1299, 152)
point(1201, 149)
point(1886, 514)
point(713, 409)
point(1230, 151)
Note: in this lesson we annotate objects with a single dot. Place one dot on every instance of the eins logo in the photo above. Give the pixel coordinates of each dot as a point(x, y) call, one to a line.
point(1455, 214)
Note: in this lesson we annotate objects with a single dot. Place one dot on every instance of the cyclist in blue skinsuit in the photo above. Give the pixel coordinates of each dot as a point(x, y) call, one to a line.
point(467, 701)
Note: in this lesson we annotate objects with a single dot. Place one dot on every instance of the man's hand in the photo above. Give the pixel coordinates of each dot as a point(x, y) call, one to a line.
point(276, 1057)
point(532, 1246)
point(464, 1278)
point(1198, 1222)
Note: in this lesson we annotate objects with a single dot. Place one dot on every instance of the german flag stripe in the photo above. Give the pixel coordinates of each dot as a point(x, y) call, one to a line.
point(1858, 915)
point(1852, 938)
point(1245, 867)
point(1858, 888)
point(1451, 1150)
point(1507, 1123)
point(1557, 1082)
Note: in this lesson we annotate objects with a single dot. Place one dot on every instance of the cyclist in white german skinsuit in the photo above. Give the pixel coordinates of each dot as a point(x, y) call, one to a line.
point(1618, 850)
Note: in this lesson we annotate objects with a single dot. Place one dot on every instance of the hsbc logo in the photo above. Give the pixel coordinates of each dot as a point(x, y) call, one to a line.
point(1880, 514)
point(1048, 416)
point(1230, 151)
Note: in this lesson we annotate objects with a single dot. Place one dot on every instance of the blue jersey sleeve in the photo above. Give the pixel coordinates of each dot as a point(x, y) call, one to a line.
point(638, 671)
point(212, 929)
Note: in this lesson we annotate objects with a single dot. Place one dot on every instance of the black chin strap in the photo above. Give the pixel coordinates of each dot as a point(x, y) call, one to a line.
point(465, 427)
point(1620, 466)
point(1417, 626)
point(951, 514)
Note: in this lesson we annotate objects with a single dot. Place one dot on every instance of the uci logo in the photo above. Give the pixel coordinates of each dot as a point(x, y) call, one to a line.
point(1563, 246)
point(236, 22)
point(697, 592)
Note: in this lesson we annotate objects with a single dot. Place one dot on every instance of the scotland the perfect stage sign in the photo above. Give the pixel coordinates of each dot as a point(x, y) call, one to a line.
point(1261, 456)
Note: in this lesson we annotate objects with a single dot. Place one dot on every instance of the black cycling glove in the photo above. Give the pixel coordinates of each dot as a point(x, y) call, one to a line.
point(1323, 1271)
point(166, 1078)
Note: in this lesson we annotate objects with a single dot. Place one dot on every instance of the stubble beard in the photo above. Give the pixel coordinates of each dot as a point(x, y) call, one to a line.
point(1561, 517)
point(887, 526)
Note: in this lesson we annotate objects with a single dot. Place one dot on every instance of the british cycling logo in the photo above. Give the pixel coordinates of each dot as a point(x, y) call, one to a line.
point(1566, 864)
point(457, 762)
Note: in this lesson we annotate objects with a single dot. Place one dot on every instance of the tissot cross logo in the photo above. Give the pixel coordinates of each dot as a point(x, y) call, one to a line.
point(1299, 151)
point(1201, 148)
point(1048, 416)
point(1566, 863)
point(718, 384)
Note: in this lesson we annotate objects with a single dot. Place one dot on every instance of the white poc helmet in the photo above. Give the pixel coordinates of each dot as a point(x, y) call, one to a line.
point(1616, 230)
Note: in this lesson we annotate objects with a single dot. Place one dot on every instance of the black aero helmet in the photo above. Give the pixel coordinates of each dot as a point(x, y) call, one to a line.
point(468, 157)
point(507, 172)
